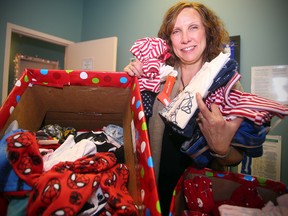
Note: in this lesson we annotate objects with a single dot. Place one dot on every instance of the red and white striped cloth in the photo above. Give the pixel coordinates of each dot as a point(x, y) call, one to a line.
point(152, 53)
point(232, 103)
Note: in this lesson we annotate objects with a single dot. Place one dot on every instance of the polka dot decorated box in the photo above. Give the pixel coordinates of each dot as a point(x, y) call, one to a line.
point(88, 100)
point(208, 192)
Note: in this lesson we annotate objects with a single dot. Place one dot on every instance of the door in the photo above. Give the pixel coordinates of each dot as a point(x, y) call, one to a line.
point(97, 55)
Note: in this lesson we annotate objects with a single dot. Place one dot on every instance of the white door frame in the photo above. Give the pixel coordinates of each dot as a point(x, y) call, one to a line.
point(26, 32)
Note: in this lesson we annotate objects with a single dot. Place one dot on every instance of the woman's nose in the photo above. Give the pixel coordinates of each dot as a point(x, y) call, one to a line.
point(185, 37)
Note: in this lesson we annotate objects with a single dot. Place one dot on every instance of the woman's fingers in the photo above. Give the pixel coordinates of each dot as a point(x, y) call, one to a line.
point(217, 131)
point(204, 112)
point(134, 68)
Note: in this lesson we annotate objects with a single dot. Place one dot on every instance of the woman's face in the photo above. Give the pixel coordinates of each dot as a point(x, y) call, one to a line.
point(188, 37)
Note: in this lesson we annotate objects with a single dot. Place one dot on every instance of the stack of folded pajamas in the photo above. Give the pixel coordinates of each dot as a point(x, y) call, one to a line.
point(214, 82)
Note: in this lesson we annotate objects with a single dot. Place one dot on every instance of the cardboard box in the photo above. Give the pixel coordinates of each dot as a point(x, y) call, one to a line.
point(223, 186)
point(88, 100)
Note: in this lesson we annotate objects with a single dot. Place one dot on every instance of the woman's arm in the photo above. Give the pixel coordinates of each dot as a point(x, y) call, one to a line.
point(218, 133)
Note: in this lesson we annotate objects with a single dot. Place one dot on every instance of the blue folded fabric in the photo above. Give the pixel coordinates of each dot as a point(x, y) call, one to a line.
point(199, 144)
point(9, 181)
point(249, 137)
point(188, 131)
point(224, 75)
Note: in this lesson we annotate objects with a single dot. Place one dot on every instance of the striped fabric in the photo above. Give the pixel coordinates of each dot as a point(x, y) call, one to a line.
point(232, 103)
point(152, 53)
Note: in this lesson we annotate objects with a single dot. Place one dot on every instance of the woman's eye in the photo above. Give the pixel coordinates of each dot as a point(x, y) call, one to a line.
point(194, 27)
point(175, 32)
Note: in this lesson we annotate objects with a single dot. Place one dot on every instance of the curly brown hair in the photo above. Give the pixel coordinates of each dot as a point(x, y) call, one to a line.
point(216, 34)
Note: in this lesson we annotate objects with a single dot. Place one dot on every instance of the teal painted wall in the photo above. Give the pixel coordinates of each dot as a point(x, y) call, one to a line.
point(262, 25)
point(59, 18)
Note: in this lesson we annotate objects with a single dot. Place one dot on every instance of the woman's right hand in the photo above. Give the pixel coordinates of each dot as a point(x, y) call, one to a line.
point(134, 68)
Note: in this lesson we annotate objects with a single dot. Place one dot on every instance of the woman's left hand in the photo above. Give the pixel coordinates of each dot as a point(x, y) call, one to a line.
point(217, 131)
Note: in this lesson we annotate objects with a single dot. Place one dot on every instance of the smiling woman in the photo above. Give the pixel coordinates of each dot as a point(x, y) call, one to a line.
point(195, 36)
